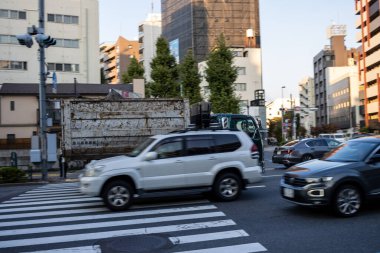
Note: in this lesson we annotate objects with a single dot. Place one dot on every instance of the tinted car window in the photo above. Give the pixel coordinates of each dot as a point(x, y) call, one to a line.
point(199, 145)
point(169, 148)
point(320, 143)
point(333, 143)
point(311, 143)
point(351, 152)
point(226, 143)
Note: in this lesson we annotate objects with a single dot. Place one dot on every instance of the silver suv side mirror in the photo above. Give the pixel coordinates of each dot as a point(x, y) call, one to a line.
point(150, 156)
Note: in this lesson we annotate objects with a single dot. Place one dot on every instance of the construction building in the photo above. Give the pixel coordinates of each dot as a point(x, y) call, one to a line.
point(196, 24)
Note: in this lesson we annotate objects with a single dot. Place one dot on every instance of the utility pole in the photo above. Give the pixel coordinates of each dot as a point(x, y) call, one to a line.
point(43, 41)
point(42, 91)
point(282, 113)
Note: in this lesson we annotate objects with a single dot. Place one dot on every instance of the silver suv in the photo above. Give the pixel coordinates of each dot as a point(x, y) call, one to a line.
point(224, 160)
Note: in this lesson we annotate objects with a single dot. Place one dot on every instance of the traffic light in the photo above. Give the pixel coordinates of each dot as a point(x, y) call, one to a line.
point(45, 40)
point(25, 39)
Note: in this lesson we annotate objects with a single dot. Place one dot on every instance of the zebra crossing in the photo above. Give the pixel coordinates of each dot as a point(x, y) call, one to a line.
point(57, 218)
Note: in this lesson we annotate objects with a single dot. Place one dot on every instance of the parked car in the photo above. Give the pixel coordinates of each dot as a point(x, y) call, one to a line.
point(221, 160)
point(303, 150)
point(342, 179)
point(337, 136)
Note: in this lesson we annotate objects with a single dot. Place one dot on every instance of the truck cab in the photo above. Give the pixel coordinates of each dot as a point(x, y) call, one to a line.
point(245, 123)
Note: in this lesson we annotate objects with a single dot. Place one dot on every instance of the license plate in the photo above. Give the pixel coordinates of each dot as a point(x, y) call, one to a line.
point(289, 193)
point(278, 152)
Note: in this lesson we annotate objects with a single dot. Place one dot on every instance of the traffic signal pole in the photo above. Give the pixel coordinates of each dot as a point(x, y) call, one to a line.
point(42, 95)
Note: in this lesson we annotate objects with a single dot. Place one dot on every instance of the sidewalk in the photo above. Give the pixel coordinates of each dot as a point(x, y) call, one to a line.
point(54, 176)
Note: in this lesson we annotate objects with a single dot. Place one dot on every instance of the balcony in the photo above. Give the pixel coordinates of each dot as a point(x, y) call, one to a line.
point(372, 91)
point(372, 107)
point(374, 124)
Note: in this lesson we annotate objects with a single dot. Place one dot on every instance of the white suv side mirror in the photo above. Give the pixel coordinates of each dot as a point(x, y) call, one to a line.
point(150, 156)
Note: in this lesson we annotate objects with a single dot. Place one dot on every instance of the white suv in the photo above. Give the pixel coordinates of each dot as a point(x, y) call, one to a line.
point(224, 160)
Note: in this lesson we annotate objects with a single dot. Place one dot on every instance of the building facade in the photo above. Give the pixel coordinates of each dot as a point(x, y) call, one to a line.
point(307, 103)
point(333, 55)
point(116, 57)
point(196, 24)
point(75, 26)
point(342, 87)
point(368, 35)
point(149, 31)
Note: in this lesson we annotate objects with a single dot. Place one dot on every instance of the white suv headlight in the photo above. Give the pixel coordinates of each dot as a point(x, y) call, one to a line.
point(94, 171)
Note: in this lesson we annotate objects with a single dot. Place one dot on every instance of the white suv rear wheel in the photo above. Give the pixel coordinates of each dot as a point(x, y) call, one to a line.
point(227, 187)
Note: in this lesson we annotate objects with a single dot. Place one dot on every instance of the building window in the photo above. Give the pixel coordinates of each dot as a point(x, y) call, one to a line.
point(67, 43)
point(13, 65)
point(240, 70)
point(11, 14)
point(8, 39)
point(11, 138)
point(240, 86)
point(12, 105)
point(65, 19)
point(63, 67)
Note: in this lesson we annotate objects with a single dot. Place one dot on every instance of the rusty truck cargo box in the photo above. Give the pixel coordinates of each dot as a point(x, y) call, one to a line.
point(93, 129)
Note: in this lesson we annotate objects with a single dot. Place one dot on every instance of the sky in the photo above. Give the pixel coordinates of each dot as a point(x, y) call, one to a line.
point(292, 33)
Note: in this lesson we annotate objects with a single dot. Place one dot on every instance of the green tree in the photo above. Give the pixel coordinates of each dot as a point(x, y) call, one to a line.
point(221, 75)
point(190, 78)
point(135, 71)
point(274, 128)
point(164, 72)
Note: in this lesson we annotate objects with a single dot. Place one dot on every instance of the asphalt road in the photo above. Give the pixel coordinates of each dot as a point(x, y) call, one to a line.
point(260, 221)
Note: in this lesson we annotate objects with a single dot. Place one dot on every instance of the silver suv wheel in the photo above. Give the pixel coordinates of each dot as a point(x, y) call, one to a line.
point(227, 187)
point(117, 195)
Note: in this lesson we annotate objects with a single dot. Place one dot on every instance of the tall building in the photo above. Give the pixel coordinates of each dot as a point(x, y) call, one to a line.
point(75, 26)
point(196, 24)
point(116, 57)
point(368, 36)
point(333, 55)
point(307, 103)
point(149, 31)
point(342, 89)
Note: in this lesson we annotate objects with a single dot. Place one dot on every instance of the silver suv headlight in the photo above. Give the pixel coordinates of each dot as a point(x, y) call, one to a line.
point(94, 171)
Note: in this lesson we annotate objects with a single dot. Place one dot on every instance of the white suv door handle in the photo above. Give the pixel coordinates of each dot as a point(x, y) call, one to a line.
point(179, 161)
point(212, 158)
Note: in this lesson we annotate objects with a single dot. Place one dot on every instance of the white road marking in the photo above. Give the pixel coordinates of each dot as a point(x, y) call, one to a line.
point(56, 190)
point(256, 186)
point(273, 176)
point(31, 201)
point(109, 224)
point(39, 208)
point(47, 195)
point(208, 237)
point(108, 215)
point(86, 249)
point(83, 199)
point(242, 248)
point(109, 234)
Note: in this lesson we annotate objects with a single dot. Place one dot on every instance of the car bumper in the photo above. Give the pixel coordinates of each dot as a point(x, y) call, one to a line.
point(309, 195)
point(278, 159)
point(291, 160)
point(91, 185)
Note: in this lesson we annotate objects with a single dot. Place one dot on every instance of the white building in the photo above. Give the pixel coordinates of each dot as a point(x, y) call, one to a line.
point(248, 63)
point(307, 101)
point(273, 107)
point(149, 31)
point(75, 26)
point(343, 102)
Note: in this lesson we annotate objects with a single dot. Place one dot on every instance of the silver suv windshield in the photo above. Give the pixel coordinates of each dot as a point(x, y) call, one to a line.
point(350, 152)
point(140, 148)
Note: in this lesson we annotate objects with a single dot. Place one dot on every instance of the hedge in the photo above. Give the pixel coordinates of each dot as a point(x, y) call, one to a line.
point(12, 175)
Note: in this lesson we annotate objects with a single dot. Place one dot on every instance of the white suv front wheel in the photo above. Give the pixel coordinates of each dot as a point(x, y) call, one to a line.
point(118, 195)
point(227, 187)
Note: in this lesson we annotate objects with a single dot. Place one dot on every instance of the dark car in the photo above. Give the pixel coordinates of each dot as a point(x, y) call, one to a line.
point(299, 151)
point(343, 178)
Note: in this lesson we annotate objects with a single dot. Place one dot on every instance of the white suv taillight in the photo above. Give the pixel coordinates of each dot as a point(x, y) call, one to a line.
point(254, 151)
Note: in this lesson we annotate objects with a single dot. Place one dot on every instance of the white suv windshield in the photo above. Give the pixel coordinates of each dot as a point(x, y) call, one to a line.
point(140, 148)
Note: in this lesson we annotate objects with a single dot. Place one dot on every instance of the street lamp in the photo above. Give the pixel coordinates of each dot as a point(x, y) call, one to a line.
point(282, 113)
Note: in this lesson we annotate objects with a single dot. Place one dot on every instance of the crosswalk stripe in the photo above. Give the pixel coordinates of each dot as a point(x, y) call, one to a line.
point(108, 215)
point(27, 194)
point(39, 208)
point(118, 233)
point(242, 248)
point(46, 196)
point(31, 201)
point(40, 203)
point(56, 190)
point(109, 224)
point(208, 237)
point(51, 213)
point(86, 249)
